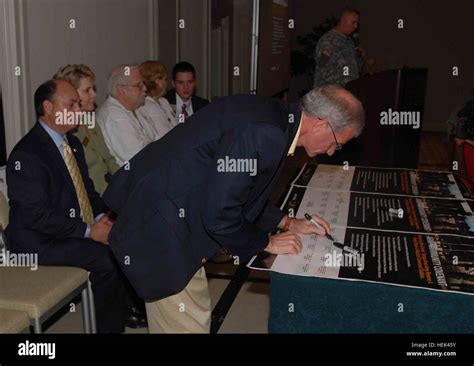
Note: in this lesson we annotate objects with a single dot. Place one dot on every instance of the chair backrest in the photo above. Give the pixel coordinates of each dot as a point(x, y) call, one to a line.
point(4, 208)
point(3, 241)
point(3, 180)
point(4, 211)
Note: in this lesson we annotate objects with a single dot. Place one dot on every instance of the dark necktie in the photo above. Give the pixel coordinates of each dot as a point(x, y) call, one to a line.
point(184, 112)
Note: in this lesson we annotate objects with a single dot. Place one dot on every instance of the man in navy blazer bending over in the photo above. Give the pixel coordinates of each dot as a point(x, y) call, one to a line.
point(206, 185)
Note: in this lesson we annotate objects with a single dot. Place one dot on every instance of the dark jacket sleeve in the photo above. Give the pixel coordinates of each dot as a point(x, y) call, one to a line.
point(270, 217)
point(30, 201)
point(228, 192)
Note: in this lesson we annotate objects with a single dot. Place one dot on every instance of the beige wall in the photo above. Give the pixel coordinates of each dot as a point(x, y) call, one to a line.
point(107, 33)
point(437, 35)
point(194, 40)
point(242, 45)
point(185, 44)
point(167, 33)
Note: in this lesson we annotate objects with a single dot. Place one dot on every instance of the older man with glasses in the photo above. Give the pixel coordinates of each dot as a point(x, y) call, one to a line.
point(337, 145)
point(177, 206)
point(126, 129)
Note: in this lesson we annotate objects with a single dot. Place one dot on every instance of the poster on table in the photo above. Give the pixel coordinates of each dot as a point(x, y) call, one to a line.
point(431, 245)
point(385, 180)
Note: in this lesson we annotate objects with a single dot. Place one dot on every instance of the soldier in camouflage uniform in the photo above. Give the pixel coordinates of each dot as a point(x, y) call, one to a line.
point(337, 59)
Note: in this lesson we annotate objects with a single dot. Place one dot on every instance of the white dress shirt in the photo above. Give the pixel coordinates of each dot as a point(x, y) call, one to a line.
point(179, 106)
point(125, 132)
point(161, 114)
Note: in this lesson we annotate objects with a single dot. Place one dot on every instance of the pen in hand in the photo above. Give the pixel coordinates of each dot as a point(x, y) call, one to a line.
point(345, 248)
point(313, 221)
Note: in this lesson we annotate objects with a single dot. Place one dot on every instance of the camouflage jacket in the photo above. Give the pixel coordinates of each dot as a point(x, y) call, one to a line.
point(331, 70)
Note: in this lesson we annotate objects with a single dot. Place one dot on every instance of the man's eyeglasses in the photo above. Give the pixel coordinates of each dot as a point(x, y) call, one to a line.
point(338, 145)
point(140, 85)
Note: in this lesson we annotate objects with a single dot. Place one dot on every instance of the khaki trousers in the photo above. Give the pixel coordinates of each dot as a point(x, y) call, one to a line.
point(189, 311)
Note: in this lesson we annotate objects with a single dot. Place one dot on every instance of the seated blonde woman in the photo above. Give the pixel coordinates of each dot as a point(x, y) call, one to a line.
point(156, 81)
point(100, 162)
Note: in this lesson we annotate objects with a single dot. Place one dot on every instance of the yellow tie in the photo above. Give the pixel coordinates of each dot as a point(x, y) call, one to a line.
point(82, 197)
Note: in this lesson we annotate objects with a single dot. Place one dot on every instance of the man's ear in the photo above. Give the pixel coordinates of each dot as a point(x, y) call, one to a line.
point(172, 83)
point(318, 125)
point(47, 107)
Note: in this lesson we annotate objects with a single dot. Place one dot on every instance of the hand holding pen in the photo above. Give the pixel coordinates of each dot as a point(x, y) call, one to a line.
point(289, 240)
point(304, 227)
point(316, 222)
point(344, 248)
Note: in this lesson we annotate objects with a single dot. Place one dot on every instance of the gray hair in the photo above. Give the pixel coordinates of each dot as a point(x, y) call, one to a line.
point(336, 105)
point(118, 76)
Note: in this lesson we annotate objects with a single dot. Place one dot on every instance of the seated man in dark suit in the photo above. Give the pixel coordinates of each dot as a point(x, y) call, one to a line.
point(206, 184)
point(182, 97)
point(54, 210)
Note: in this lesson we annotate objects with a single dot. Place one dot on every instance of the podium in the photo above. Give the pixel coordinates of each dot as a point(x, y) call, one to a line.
point(386, 145)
